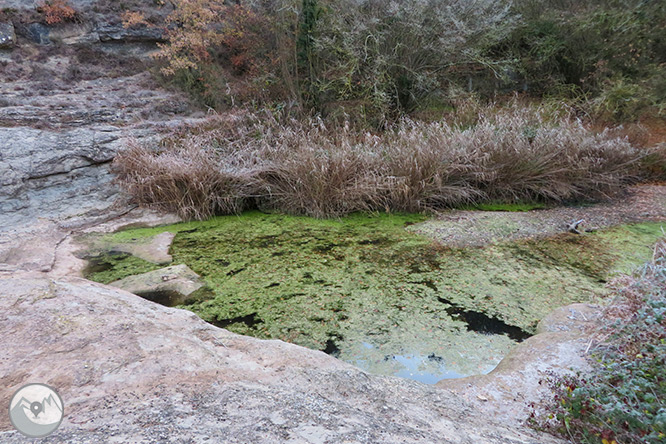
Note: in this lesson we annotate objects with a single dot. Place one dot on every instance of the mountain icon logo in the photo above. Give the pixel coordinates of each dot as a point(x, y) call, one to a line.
point(36, 410)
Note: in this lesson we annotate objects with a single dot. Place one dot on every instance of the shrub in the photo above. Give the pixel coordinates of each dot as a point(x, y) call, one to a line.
point(620, 100)
point(623, 399)
point(57, 11)
point(611, 51)
point(210, 44)
point(387, 56)
point(303, 167)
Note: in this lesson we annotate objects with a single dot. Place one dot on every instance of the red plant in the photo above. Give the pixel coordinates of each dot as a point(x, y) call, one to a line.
point(57, 11)
point(244, 40)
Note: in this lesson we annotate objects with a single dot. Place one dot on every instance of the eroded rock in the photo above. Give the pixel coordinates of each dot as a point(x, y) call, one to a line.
point(168, 286)
point(131, 371)
point(108, 32)
point(55, 173)
point(560, 348)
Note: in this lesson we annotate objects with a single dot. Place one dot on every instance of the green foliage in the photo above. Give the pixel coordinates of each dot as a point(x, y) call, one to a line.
point(372, 60)
point(623, 399)
point(620, 100)
point(611, 51)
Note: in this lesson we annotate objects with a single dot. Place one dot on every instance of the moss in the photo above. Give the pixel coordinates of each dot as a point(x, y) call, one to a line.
point(373, 293)
point(111, 266)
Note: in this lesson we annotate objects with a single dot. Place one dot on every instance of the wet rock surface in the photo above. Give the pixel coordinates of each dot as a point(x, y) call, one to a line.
point(478, 228)
point(559, 348)
point(168, 286)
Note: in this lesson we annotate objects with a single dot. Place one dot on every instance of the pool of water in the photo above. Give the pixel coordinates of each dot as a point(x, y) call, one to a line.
point(371, 293)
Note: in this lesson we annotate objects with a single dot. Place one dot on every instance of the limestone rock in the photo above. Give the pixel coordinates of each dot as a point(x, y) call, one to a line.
point(168, 286)
point(560, 346)
point(132, 371)
point(118, 33)
point(574, 318)
point(155, 249)
point(7, 35)
point(74, 34)
point(56, 173)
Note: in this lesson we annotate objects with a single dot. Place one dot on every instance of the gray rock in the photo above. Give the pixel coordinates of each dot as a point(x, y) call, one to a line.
point(38, 33)
point(132, 371)
point(7, 35)
point(118, 33)
point(74, 34)
point(155, 249)
point(559, 348)
point(59, 174)
point(168, 286)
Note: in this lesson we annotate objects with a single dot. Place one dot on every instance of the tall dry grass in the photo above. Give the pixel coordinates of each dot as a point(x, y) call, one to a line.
point(304, 167)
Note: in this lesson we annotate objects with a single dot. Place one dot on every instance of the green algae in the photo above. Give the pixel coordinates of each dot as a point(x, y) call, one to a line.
point(110, 266)
point(365, 289)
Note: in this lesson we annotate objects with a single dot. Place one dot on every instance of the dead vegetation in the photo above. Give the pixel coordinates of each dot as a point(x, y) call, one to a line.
point(304, 167)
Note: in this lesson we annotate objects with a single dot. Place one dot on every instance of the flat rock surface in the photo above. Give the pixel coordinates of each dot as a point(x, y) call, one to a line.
point(477, 228)
point(129, 370)
point(520, 378)
point(169, 285)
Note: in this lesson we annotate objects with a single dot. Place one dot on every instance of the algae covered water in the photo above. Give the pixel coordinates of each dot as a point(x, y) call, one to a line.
point(368, 291)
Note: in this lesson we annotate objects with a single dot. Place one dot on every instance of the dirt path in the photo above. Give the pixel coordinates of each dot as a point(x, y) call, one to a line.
point(645, 203)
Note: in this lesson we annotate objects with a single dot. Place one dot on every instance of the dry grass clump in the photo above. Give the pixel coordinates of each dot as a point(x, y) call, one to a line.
point(304, 167)
point(193, 179)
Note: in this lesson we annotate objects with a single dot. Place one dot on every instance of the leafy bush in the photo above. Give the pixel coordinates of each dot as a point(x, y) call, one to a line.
point(620, 100)
point(609, 51)
point(386, 57)
point(304, 167)
point(623, 400)
point(211, 43)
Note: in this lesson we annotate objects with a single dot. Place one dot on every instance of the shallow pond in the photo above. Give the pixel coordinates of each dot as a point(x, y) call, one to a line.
point(368, 291)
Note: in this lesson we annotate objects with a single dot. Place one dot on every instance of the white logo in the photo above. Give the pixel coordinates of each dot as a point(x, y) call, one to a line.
point(36, 410)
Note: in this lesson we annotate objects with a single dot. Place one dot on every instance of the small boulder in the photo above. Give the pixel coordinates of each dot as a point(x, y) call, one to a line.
point(168, 286)
point(7, 35)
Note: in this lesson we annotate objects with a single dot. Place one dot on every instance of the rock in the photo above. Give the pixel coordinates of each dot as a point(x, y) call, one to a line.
point(38, 33)
point(7, 35)
point(155, 249)
point(517, 381)
point(168, 286)
point(30, 248)
point(56, 173)
point(74, 34)
point(108, 32)
point(574, 318)
point(49, 246)
point(132, 371)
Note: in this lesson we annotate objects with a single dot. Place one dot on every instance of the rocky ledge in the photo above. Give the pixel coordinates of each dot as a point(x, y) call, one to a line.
point(129, 370)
